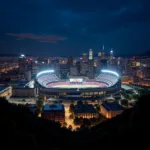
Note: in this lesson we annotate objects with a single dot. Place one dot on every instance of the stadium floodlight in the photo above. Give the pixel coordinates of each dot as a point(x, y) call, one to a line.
point(109, 71)
point(22, 55)
point(43, 72)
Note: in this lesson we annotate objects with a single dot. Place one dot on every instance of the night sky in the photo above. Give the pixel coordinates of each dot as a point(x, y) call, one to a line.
point(71, 27)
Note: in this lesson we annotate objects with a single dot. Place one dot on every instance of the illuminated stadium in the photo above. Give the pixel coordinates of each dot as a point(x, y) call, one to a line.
point(106, 82)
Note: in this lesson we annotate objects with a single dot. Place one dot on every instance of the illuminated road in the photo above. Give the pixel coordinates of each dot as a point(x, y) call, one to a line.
point(68, 120)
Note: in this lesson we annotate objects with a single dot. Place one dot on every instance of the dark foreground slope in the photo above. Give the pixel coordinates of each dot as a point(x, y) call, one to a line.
point(20, 129)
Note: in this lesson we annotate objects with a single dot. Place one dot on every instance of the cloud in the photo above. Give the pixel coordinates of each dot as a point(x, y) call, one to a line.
point(40, 38)
point(69, 18)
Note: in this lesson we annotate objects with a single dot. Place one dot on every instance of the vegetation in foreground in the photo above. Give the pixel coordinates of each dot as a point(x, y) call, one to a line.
point(19, 128)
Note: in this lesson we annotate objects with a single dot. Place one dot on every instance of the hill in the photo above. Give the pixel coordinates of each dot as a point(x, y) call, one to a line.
point(19, 128)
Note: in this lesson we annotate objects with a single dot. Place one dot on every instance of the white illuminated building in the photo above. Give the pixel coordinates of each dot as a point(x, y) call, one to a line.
point(111, 53)
point(90, 54)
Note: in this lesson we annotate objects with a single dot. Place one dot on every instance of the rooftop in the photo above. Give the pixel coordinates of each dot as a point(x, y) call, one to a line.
point(85, 108)
point(53, 107)
point(126, 87)
point(112, 106)
point(3, 87)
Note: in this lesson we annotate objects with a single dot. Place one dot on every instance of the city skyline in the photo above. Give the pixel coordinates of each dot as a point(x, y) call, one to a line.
point(71, 28)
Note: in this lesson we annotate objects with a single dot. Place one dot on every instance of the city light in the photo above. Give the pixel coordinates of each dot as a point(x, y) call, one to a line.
point(108, 71)
point(22, 55)
point(43, 72)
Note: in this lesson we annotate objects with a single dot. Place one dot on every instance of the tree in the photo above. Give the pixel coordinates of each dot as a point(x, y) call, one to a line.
point(79, 102)
point(23, 100)
point(60, 101)
point(85, 102)
point(71, 116)
point(65, 124)
point(86, 122)
point(77, 121)
point(71, 108)
point(135, 96)
point(127, 96)
point(39, 104)
point(124, 102)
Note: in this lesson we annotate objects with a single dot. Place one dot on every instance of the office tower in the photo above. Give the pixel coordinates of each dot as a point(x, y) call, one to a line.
point(84, 68)
point(111, 54)
point(84, 57)
point(103, 52)
point(22, 64)
point(70, 61)
point(90, 54)
point(78, 65)
point(91, 68)
point(99, 54)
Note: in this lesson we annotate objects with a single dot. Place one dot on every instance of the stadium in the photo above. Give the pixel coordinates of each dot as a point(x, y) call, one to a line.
point(50, 85)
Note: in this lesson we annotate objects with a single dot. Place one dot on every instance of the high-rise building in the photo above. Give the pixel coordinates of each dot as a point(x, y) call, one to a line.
point(64, 71)
point(90, 54)
point(111, 54)
point(84, 57)
point(70, 61)
point(22, 64)
point(91, 68)
point(99, 54)
point(103, 52)
point(78, 65)
point(84, 68)
point(103, 64)
point(73, 71)
point(91, 64)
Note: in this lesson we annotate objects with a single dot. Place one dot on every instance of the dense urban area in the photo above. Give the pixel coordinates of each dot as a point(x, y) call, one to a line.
point(71, 95)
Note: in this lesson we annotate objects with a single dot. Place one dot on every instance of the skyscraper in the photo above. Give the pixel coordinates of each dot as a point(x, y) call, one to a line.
point(90, 54)
point(99, 54)
point(91, 68)
point(70, 61)
point(22, 64)
point(91, 64)
point(84, 58)
point(103, 52)
point(111, 54)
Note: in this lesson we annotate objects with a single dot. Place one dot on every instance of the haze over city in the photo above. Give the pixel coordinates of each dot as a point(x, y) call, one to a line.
point(54, 28)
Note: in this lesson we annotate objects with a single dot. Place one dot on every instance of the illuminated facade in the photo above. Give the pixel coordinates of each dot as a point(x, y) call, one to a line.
point(91, 69)
point(99, 54)
point(111, 109)
point(103, 53)
point(85, 111)
point(106, 82)
point(90, 54)
point(5, 91)
point(54, 112)
point(111, 54)
point(23, 92)
point(22, 64)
